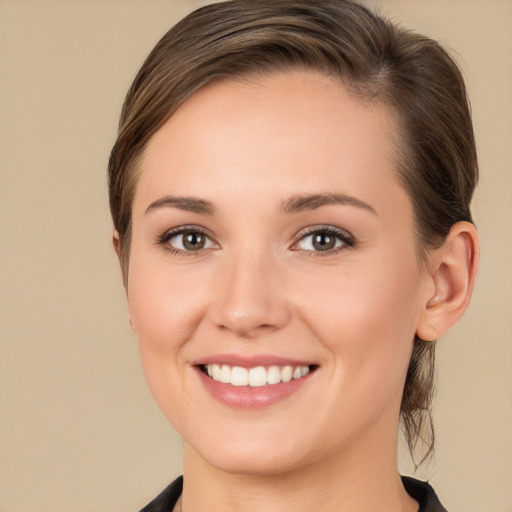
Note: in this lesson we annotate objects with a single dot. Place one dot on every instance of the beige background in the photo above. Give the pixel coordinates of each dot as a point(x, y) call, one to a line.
point(79, 430)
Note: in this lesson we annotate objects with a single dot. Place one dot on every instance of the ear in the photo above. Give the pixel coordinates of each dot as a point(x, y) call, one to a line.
point(116, 242)
point(452, 272)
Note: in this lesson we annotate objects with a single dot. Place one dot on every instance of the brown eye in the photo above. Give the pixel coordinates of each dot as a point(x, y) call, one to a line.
point(188, 241)
point(323, 241)
point(193, 241)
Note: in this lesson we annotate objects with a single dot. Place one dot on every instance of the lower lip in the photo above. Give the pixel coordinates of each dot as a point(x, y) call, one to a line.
point(247, 397)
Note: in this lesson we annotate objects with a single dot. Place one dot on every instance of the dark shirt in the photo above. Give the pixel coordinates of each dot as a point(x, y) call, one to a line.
point(422, 492)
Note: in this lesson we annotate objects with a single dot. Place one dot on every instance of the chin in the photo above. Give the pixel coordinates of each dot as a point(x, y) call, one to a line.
point(251, 456)
point(259, 464)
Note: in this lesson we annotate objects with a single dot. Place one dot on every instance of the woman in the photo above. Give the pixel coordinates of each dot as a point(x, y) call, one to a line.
point(290, 192)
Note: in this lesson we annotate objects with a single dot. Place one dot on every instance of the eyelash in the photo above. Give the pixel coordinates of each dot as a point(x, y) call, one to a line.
point(348, 241)
point(182, 230)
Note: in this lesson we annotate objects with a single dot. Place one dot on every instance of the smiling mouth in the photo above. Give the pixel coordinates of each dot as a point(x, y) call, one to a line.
point(257, 376)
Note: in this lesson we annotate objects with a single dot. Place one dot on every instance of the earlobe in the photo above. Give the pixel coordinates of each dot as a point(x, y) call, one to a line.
point(132, 327)
point(116, 242)
point(453, 271)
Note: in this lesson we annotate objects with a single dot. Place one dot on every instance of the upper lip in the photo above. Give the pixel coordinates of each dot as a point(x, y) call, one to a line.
point(251, 361)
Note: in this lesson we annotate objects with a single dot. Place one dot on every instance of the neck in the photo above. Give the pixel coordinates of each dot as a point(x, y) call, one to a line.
point(343, 482)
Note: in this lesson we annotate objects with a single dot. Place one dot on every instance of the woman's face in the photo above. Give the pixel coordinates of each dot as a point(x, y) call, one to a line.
point(272, 238)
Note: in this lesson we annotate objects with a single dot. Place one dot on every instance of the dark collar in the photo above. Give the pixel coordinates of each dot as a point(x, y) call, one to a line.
point(422, 492)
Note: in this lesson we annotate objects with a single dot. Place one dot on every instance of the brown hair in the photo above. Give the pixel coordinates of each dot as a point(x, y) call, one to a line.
point(377, 60)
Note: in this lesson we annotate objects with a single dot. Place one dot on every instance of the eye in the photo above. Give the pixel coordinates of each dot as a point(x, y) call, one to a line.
point(183, 240)
point(323, 239)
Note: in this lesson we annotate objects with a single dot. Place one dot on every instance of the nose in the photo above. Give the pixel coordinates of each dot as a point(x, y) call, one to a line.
point(251, 299)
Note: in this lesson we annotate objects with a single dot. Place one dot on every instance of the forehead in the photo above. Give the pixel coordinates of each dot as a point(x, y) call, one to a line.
point(271, 134)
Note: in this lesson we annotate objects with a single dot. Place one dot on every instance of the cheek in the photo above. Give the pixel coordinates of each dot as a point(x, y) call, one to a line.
point(366, 316)
point(162, 314)
point(163, 301)
point(379, 297)
point(163, 307)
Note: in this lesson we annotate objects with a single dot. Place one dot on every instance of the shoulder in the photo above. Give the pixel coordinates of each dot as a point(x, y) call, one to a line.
point(167, 499)
point(424, 494)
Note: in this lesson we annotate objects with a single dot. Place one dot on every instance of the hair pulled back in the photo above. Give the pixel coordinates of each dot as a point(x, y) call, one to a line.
point(374, 58)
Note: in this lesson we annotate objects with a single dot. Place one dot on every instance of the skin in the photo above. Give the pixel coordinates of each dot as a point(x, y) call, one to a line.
point(260, 287)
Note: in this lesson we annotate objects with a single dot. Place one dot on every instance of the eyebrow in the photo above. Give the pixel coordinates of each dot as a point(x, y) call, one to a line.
point(295, 204)
point(187, 204)
point(301, 203)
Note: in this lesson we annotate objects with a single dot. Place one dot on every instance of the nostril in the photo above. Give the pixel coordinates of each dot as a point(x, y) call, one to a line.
point(246, 327)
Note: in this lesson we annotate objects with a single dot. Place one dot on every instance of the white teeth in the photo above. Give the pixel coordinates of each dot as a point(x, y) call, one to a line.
point(255, 377)
point(273, 375)
point(239, 376)
point(286, 373)
point(216, 372)
point(225, 374)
